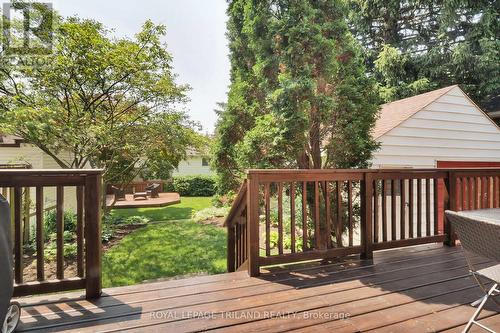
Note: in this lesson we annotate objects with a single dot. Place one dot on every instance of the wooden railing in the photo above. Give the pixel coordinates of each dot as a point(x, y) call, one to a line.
point(85, 185)
point(284, 216)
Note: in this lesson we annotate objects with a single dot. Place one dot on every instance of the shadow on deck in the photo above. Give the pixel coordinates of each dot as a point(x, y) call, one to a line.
point(414, 289)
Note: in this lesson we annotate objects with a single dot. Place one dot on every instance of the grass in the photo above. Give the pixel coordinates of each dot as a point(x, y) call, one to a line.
point(181, 211)
point(176, 246)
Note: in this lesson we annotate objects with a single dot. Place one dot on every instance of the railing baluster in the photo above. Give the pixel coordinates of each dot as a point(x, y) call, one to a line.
point(79, 231)
point(267, 202)
point(40, 235)
point(419, 207)
point(476, 192)
point(60, 232)
point(349, 204)
point(497, 192)
point(375, 211)
point(489, 196)
point(403, 209)
point(317, 236)
point(411, 210)
point(328, 216)
point(280, 218)
point(464, 197)
point(18, 237)
point(436, 205)
point(292, 217)
point(384, 211)
point(427, 207)
point(340, 217)
point(484, 193)
point(393, 210)
point(26, 214)
point(304, 217)
point(470, 186)
point(366, 195)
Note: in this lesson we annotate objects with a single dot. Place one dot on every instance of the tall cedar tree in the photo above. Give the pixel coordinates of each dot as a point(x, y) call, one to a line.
point(299, 96)
point(414, 46)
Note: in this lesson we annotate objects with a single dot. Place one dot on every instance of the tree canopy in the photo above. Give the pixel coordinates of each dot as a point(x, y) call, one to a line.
point(110, 103)
point(299, 94)
point(419, 45)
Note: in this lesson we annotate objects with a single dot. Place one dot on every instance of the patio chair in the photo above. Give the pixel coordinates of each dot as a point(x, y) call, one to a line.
point(479, 237)
point(153, 190)
point(119, 193)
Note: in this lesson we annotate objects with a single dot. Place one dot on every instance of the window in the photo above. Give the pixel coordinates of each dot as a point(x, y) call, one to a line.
point(205, 161)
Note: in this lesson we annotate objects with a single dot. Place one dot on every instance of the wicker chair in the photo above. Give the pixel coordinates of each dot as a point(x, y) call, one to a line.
point(479, 237)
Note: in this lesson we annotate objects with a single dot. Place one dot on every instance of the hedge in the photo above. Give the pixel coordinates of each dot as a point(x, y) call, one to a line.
point(192, 186)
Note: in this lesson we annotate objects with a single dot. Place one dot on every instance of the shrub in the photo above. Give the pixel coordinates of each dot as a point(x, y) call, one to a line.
point(192, 186)
point(224, 200)
point(50, 222)
point(210, 212)
point(50, 251)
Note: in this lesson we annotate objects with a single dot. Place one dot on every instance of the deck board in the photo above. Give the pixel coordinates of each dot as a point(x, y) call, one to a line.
point(404, 290)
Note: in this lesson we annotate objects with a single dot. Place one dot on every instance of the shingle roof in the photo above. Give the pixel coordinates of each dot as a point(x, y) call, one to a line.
point(394, 113)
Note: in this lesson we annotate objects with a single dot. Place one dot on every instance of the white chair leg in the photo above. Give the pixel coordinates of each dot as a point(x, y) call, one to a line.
point(478, 311)
point(478, 301)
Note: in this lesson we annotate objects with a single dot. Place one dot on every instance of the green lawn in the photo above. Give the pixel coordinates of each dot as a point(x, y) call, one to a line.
point(177, 246)
point(181, 211)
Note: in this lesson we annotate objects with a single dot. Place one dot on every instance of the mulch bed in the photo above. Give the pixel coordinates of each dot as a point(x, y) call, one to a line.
point(50, 267)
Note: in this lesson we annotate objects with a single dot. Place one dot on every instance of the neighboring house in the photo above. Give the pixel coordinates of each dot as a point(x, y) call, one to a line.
point(13, 150)
point(439, 128)
point(196, 163)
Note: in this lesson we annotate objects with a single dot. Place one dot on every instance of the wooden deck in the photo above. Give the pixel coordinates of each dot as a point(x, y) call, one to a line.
point(423, 288)
point(164, 199)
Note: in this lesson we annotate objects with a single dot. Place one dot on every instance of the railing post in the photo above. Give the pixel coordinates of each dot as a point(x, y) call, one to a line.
point(92, 230)
point(253, 224)
point(230, 247)
point(366, 213)
point(450, 203)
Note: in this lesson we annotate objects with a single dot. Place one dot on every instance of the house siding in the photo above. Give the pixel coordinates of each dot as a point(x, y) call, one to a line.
point(451, 128)
point(192, 166)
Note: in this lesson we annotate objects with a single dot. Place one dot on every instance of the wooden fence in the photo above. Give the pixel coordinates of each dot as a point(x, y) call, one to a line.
point(284, 216)
point(14, 185)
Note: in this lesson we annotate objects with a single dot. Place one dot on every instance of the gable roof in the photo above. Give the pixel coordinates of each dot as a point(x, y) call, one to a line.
point(394, 113)
point(10, 141)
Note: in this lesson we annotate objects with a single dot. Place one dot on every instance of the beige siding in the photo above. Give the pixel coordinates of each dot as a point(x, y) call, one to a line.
point(451, 128)
point(24, 154)
point(39, 160)
point(192, 166)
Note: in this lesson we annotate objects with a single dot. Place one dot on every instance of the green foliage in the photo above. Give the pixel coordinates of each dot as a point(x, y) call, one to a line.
point(192, 186)
point(181, 211)
point(210, 212)
point(110, 102)
point(224, 200)
point(111, 220)
point(299, 96)
point(50, 226)
point(416, 46)
point(50, 251)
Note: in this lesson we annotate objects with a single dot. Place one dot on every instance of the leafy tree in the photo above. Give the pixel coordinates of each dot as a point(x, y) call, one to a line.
point(418, 45)
point(100, 101)
point(299, 96)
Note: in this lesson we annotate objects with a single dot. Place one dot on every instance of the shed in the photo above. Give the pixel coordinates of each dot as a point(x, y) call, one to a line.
point(441, 128)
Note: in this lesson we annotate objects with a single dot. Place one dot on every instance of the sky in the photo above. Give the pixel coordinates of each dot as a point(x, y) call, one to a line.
point(195, 38)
